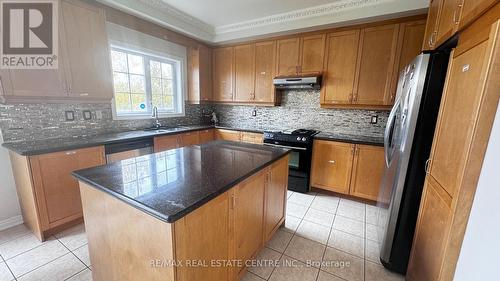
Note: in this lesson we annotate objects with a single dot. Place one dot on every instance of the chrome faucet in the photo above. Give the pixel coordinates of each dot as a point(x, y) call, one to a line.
point(157, 123)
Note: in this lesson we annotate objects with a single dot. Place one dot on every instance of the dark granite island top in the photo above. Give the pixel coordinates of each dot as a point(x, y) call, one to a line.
point(170, 184)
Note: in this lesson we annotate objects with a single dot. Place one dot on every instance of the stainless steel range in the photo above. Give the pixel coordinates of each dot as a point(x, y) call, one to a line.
point(300, 142)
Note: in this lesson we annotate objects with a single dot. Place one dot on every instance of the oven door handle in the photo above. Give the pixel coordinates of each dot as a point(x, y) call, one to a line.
point(285, 146)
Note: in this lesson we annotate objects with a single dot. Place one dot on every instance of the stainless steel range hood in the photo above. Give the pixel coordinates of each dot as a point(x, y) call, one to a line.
point(298, 82)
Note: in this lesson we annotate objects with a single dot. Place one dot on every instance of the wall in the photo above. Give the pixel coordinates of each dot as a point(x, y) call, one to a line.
point(10, 213)
point(301, 109)
point(479, 254)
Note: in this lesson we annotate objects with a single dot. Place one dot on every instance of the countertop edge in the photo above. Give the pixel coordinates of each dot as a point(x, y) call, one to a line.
point(173, 218)
point(349, 140)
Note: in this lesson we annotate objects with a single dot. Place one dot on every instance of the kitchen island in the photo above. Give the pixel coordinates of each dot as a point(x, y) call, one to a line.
point(192, 213)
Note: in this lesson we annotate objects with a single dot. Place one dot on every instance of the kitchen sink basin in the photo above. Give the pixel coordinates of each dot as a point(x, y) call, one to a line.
point(165, 129)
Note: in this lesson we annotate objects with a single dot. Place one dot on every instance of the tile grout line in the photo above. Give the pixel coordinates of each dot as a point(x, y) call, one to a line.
point(4, 261)
point(72, 252)
point(24, 274)
point(42, 243)
point(76, 274)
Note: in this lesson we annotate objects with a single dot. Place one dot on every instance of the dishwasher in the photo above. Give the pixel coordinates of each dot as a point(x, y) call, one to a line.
point(128, 149)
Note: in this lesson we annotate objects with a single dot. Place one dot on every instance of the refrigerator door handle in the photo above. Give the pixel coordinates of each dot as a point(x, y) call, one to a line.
point(390, 124)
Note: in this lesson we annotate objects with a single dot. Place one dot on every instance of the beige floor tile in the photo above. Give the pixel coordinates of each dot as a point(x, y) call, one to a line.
point(265, 263)
point(85, 275)
point(376, 272)
point(352, 203)
point(13, 233)
point(295, 210)
point(373, 251)
point(349, 225)
point(293, 270)
point(280, 240)
point(291, 224)
point(343, 265)
point(313, 231)
point(302, 198)
point(59, 269)
point(324, 276)
point(305, 250)
point(36, 257)
point(289, 193)
point(372, 214)
point(83, 254)
point(346, 242)
point(371, 232)
point(251, 277)
point(74, 237)
point(326, 203)
point(5, 274)
point(319, 217)
point(351, 211)
point(19, 245)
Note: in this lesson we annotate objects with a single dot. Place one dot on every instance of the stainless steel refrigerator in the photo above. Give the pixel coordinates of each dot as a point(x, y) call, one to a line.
point(407, 142)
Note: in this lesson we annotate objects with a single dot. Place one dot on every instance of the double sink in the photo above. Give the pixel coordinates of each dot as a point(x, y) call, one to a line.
point(166, 129)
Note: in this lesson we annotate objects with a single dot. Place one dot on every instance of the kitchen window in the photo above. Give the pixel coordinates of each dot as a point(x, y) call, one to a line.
point(143, 81)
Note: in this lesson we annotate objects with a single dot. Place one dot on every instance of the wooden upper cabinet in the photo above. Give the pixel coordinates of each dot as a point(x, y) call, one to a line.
point(249, 216)
point(472, 9)
point(430, 36)
point(199, 74)
point(376, 65)
point(340, 67)
point(449, 20)
point(312, 52)
point(244, 73)
point(223, 88)
point(288, 57)
point(368, 169)
point(458, 110)
point(430, 235)
point(275, 197)
point(332, 165)
point(89, 63)
point(265, 61)
point(57, 192)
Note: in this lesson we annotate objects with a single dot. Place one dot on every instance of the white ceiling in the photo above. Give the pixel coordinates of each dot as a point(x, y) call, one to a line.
point(223, 21)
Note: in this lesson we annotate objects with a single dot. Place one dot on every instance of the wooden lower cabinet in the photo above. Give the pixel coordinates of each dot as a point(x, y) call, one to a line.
point(229, 135)
point(207, 135)
point(351, 169)
point(49, 195)
point(188, 139)
point(275, 203)
point(166, 143)
point(251, 137)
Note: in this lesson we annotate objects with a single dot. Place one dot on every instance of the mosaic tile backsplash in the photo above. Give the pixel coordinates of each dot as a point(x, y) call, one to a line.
point(299, 109)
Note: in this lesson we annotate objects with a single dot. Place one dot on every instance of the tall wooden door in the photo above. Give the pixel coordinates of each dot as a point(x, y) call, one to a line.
point(312, 52)
point(57, 192)
point(376, 64)
point(89, 62)
point(244, 72)
point(430, 35)
point(456, 118)
point(223, 74)
point(449, 19)
point(202, 236)
point(276, 196)
point(368, 169)
point(248, 216)
point(340, 67)
point(265, 62)
point(332, 165)
point(205, 73)
point(288, 57)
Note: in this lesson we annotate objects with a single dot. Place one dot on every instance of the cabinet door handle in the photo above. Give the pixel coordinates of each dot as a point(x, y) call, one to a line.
point(331, 161)
point(70, 152)
point(432, 39)
point(456, 19)
point(427, 165)
point(233, 201)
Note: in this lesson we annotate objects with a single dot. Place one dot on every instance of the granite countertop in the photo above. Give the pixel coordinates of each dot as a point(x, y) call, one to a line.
point(358, 139)
point(37, 147)
point(170, 184)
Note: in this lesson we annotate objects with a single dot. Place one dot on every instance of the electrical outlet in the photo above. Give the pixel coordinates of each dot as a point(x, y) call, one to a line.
point(98, 114)
point(374, 119)
point(254, 112)
point(69, 115)
point(87, 115)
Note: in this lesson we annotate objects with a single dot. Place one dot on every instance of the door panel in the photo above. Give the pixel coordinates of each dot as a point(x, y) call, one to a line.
point(472, 9)
point(332, 165)
point(265, 62)
point(340, 67)
point(244, 72)
point(223, 74)
point(312, 53)
point(367, 172)
point(275, 196)
point(288, 57)
point(376, 64)
point(457, 114)
point(166, 143)
point(430, 35)
point(448, 19)
point(206, 136)
point(228, 135)
point(187, 139)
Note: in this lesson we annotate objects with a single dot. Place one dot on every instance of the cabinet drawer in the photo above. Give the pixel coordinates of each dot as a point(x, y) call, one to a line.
point(229, 135)
point(251, 137)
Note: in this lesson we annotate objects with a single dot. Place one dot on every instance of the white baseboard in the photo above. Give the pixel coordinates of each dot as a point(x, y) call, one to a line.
point(10, 222)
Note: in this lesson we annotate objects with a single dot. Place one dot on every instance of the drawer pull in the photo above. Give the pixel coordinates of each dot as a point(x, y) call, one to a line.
point(70, 152)
point(331, 161)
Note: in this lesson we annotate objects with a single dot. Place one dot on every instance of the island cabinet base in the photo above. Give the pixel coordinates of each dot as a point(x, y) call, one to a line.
point(212, 243)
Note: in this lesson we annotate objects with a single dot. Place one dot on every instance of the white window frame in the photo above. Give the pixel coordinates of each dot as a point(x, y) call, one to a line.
point(178, 83)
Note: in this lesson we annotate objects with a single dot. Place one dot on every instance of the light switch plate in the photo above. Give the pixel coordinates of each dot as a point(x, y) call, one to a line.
point(374, 119)
point(70, 115)
point(87, 115)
